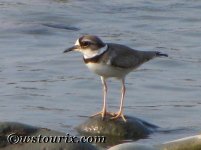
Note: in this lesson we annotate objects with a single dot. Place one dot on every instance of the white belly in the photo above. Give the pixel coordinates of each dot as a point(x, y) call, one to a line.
point(107, 70)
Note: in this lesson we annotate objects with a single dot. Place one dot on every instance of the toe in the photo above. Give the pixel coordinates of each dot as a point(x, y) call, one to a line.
point(119, 115)
point(96, 114)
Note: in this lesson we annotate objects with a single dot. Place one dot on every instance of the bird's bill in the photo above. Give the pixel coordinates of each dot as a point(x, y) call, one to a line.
point(75, 47)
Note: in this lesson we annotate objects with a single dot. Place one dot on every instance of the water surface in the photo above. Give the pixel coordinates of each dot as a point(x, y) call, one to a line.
point(39, 85)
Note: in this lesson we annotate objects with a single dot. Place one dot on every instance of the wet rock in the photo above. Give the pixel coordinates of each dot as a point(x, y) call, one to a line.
point(132, 146)
point(7, 128)
point(115, 130)
point(22, 130)
point(188, 143)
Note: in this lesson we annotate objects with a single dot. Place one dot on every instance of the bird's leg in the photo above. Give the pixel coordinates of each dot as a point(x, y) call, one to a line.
point(104, 112)
point(119, 114)
point(104, 96)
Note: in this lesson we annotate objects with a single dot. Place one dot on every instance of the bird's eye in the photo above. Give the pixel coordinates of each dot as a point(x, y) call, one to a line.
point(86, 43)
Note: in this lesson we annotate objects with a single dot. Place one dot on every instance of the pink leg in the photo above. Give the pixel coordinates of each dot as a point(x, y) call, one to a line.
point(103, 112)
point(120, 112)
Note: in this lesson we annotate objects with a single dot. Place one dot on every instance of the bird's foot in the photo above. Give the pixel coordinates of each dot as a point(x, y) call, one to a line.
point(119, 115)
point(103, 114)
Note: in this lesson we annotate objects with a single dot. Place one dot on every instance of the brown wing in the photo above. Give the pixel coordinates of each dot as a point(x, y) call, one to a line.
point(125, 57)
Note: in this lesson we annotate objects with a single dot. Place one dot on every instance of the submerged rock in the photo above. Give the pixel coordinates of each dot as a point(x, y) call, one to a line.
point(116, 130)
point(132, 146)
point(188, 143)
point(61, 26)
point(25, 137)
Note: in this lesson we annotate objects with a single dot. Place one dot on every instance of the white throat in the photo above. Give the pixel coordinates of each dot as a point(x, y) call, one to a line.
point(90, 54)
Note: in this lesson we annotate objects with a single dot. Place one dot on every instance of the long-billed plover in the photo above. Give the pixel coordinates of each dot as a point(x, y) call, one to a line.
point(111, 60)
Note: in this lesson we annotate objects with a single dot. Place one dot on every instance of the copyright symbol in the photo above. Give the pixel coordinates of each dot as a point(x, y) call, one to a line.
point(13, 138)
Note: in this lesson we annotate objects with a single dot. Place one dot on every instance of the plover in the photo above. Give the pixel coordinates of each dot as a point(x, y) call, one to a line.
point(111, 60)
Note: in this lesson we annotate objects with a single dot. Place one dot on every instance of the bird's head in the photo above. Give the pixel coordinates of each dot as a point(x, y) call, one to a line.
point(88, 45)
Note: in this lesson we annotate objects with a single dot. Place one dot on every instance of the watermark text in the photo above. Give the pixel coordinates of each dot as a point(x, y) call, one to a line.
point(14, 138)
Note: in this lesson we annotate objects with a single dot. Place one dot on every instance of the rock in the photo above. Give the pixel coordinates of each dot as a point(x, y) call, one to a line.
point(15, 132)
point(132, 146)
point(115, 130)
point(188, 143)
point(7, 128)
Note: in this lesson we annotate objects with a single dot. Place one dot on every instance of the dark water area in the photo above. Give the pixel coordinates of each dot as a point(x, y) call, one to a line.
point(39, 85)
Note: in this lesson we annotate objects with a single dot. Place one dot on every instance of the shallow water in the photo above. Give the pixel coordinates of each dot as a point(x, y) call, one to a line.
point(39, 85)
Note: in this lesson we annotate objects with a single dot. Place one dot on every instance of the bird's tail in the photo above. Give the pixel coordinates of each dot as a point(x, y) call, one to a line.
point(148, 55)
point(158, 54)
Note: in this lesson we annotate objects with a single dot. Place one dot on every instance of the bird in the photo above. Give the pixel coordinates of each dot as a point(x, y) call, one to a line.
point(111, 60)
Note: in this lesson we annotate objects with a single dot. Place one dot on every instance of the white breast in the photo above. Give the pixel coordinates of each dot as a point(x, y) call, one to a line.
point(107, 70)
